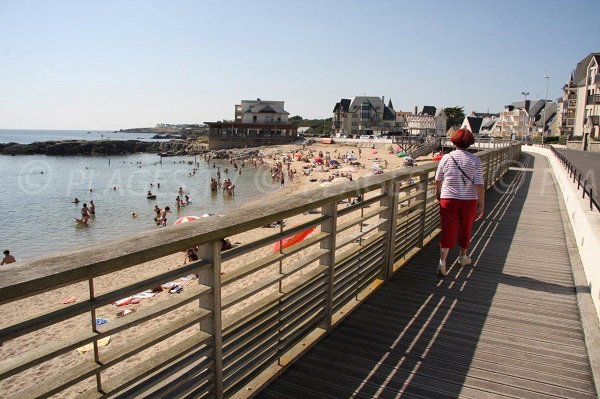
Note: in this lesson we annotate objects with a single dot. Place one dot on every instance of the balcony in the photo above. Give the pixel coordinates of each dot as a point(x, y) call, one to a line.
point(593, 99)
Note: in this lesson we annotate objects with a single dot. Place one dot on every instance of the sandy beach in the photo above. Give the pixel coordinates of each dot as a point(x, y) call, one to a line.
point(56, 299)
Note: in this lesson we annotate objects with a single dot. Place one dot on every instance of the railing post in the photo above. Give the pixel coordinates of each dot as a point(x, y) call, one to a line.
point(424, 183)
point(328, 259)
point(487, 171)
point(391, 202)
point(212, 277)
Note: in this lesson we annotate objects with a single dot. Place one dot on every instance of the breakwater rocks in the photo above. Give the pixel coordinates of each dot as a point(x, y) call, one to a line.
point(114, 147)
point(104, 147)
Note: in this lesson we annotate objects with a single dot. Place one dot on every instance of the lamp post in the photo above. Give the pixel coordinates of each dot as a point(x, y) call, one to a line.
point(525, 93)
point(545, 107)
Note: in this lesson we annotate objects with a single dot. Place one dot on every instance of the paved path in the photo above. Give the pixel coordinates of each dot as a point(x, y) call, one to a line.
point(508, 326)
point(586, 162)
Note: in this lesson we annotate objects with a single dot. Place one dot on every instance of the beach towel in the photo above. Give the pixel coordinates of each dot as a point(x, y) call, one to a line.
point(89, 347)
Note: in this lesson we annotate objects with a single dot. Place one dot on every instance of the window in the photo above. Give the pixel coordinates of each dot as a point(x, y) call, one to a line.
point(254, 119)
point(365, 111)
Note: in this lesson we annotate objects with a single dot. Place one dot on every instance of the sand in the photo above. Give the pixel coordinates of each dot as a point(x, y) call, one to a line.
point(17, 311)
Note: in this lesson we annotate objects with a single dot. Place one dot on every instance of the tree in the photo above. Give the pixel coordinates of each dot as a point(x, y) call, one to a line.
point(295, 118)
point(456, 116)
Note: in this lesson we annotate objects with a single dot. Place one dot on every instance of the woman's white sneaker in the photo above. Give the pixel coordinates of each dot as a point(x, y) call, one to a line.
point(441, 269)
point(464, 260)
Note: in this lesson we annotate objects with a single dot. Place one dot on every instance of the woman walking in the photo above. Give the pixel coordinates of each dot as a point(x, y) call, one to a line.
point(460, 191)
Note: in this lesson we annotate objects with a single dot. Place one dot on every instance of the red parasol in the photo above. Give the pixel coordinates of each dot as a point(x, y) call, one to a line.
point(186, 219)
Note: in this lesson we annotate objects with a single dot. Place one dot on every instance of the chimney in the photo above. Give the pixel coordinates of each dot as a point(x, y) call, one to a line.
point(416, 110)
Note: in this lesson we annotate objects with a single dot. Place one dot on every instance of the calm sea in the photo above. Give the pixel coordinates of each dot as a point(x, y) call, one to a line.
point(37, 190)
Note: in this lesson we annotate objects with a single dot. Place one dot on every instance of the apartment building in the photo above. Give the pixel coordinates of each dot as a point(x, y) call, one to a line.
point(579, 112)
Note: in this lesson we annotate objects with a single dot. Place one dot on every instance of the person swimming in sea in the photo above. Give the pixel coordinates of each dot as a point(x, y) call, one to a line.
point(75, 201)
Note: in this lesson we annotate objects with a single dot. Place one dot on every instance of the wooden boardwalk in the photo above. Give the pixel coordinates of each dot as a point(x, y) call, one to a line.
point(507, 326)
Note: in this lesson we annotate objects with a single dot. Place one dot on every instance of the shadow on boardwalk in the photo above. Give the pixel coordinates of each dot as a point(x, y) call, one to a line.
point(507, 326)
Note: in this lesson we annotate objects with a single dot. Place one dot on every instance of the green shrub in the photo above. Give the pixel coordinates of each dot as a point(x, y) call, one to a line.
point(551, 139)
point(562, 140)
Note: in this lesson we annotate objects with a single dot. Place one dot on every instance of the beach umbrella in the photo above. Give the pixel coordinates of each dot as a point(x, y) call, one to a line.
point(388, 147)
point(295, 239)
point(318, 160)
point(373, 151)
point(186, 219)
point(401, 154)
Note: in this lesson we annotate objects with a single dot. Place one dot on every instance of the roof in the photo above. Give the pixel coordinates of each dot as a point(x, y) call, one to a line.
point(428, 110)
point(536, 107)
point(484, 115)
point(581, 69)
point(267, 108)
point(343, 105)
point(389, 114)
point(375, 102)
point(475, 123)
point(488, 124)
point(420, 122)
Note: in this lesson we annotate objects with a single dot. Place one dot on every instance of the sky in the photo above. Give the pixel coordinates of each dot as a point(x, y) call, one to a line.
point(124, 63)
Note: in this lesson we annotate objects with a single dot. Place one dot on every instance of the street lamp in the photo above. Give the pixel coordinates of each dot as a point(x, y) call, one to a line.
point(545, 107)
point(525, 93)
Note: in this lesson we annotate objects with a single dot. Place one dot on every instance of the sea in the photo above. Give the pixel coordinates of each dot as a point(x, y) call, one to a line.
point(36, 192)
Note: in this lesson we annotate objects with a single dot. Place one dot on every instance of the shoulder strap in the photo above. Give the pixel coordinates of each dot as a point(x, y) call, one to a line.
point(462, 171)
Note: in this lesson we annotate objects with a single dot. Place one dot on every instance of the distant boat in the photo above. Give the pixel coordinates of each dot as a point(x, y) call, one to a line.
point(168, 154)
point(151, 196)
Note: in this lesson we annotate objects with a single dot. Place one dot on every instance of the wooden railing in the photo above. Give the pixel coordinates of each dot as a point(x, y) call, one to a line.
point(224, 335)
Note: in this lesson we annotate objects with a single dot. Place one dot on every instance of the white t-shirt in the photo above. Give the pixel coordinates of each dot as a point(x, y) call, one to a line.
point(456, 185)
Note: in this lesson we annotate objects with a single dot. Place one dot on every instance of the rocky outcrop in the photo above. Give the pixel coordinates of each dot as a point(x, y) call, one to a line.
point(104, 147)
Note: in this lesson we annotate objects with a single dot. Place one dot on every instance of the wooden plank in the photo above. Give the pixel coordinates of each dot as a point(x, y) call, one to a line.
point(47, 319)
point(112, 356)
point(47, 351)
point(259, 264)
point(131, 376)
point(253, 245)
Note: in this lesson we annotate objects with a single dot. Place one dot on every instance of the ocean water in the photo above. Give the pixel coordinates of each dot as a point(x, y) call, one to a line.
point(24, 136)
point(37, 190)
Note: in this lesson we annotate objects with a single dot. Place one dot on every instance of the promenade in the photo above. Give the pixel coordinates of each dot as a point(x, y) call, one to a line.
point(507, 326)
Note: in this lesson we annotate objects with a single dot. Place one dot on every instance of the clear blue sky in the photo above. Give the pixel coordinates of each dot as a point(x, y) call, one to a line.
point(118, 64)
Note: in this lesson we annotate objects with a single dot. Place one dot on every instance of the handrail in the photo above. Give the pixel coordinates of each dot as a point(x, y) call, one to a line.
point(226, 335)
point(586, 185)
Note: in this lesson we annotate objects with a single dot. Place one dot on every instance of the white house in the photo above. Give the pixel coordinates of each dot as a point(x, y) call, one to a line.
point(260, 111)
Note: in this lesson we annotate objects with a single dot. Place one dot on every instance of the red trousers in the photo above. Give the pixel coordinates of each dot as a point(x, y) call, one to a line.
point(457, 215)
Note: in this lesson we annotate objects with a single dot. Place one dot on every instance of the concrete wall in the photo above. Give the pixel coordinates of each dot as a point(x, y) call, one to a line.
point(585, 223)
point(223, 143)
point(593, 146)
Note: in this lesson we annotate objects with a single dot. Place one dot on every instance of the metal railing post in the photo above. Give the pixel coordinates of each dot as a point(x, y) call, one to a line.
point(212, 277)
point(328, 259)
